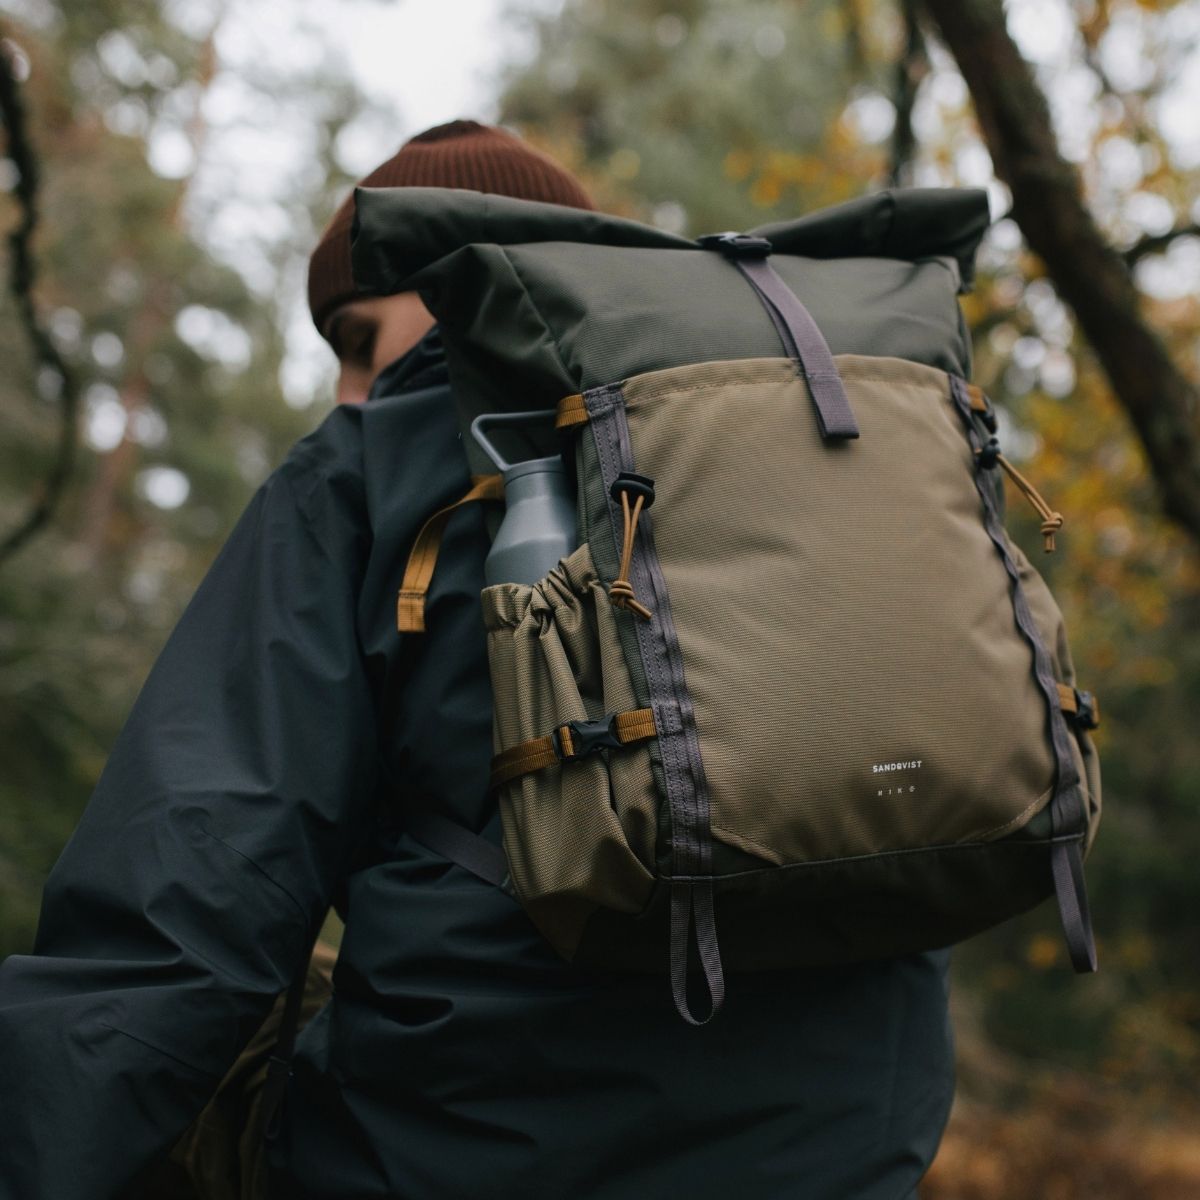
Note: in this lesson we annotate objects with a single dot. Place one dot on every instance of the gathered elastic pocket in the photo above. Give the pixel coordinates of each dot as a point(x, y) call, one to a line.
point(578, 835)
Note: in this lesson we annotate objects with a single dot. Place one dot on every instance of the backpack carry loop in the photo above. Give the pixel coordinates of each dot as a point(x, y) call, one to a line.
point(799, 333)
point(692, 909)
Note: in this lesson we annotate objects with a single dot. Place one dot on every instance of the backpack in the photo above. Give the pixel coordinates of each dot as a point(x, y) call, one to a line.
point(795, 699)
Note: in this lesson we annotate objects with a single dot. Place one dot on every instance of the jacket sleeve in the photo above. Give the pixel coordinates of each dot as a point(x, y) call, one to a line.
point(189, 893)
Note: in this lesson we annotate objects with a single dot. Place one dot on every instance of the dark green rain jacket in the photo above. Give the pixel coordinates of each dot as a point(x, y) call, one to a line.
point(264, 773)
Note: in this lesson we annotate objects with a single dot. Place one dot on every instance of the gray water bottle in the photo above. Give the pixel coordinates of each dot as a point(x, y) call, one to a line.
point(539, 520)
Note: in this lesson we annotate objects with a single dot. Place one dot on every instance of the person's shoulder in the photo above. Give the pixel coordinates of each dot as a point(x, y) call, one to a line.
point(359, 452)
point(327, 464)
point(334, 445)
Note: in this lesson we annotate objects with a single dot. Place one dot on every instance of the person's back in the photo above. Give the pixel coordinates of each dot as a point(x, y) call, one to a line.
point(460, 1052)
point(268, 769)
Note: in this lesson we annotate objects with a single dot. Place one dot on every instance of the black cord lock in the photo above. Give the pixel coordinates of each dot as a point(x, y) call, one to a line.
point(635, 485)
point(988, 455)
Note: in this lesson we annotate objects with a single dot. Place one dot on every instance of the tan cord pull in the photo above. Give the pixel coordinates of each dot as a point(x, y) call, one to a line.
point(988, 456)
point(418, 573)
point(621, 591)
point(1052, 521)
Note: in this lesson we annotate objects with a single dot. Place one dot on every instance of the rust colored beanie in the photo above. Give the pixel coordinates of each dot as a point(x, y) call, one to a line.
point(462, 154)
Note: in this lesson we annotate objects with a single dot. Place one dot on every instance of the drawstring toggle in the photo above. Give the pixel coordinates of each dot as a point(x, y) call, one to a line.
point(641, 487)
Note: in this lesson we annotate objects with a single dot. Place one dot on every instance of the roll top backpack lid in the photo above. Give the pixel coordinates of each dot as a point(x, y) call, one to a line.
point(538, 301)
point(755, 711)
point(400, 231)
point(909, 223)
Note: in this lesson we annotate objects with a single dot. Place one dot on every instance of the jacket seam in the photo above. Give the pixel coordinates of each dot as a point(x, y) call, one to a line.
point(245, 857)
point(159, 1050)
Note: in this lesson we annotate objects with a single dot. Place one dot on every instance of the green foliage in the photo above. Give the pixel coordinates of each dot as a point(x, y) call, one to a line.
point(700, 114)
point(179, 364)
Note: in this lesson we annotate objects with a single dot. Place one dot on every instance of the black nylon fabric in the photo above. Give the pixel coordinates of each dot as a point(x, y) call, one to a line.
point(264, 771)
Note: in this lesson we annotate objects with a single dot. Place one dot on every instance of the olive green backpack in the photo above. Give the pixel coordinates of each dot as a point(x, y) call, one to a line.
point(813, 706)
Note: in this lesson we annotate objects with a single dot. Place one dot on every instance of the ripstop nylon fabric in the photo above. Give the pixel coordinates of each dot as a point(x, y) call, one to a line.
point(861, 572)
point(582, 834)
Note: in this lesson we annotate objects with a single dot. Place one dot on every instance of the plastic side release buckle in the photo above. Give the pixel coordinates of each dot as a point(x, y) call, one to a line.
point(735, 245)
point(586, 737)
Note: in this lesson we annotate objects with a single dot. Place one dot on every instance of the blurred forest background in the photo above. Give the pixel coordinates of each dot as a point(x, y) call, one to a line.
point(165, 391)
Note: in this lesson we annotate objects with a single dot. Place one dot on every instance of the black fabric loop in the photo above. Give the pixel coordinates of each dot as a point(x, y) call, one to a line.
point(1066, 862)
point(1067, 816)
point(692, 908)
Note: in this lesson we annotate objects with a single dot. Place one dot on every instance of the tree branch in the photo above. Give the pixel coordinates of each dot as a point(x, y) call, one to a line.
point(52, 364)
point(1087, 271)
point(909, 72)
point(1156, 243)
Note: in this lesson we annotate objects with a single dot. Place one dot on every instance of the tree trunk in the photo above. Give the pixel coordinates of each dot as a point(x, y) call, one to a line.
point(1087, 271)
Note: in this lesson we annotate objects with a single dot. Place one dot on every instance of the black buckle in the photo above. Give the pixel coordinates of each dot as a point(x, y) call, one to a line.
point(587, 737)
point(1087, 711)
point(988, 454)
point(735, 245)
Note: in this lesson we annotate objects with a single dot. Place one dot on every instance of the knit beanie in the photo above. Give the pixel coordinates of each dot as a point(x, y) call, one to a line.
point(461, 154)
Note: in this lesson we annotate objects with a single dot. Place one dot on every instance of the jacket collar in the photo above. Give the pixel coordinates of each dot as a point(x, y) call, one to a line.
point(423, 366)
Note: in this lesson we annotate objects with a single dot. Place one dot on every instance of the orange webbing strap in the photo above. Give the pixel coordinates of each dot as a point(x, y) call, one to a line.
point(571, 412)
point(566, 744)
point(977, 399)
point(1083, 706)
point(410, 604)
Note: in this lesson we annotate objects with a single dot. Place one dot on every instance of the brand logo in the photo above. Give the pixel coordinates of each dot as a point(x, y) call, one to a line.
point(882, 768)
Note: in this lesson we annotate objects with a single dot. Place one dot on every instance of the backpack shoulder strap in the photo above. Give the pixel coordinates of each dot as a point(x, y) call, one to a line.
point(471, 851)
